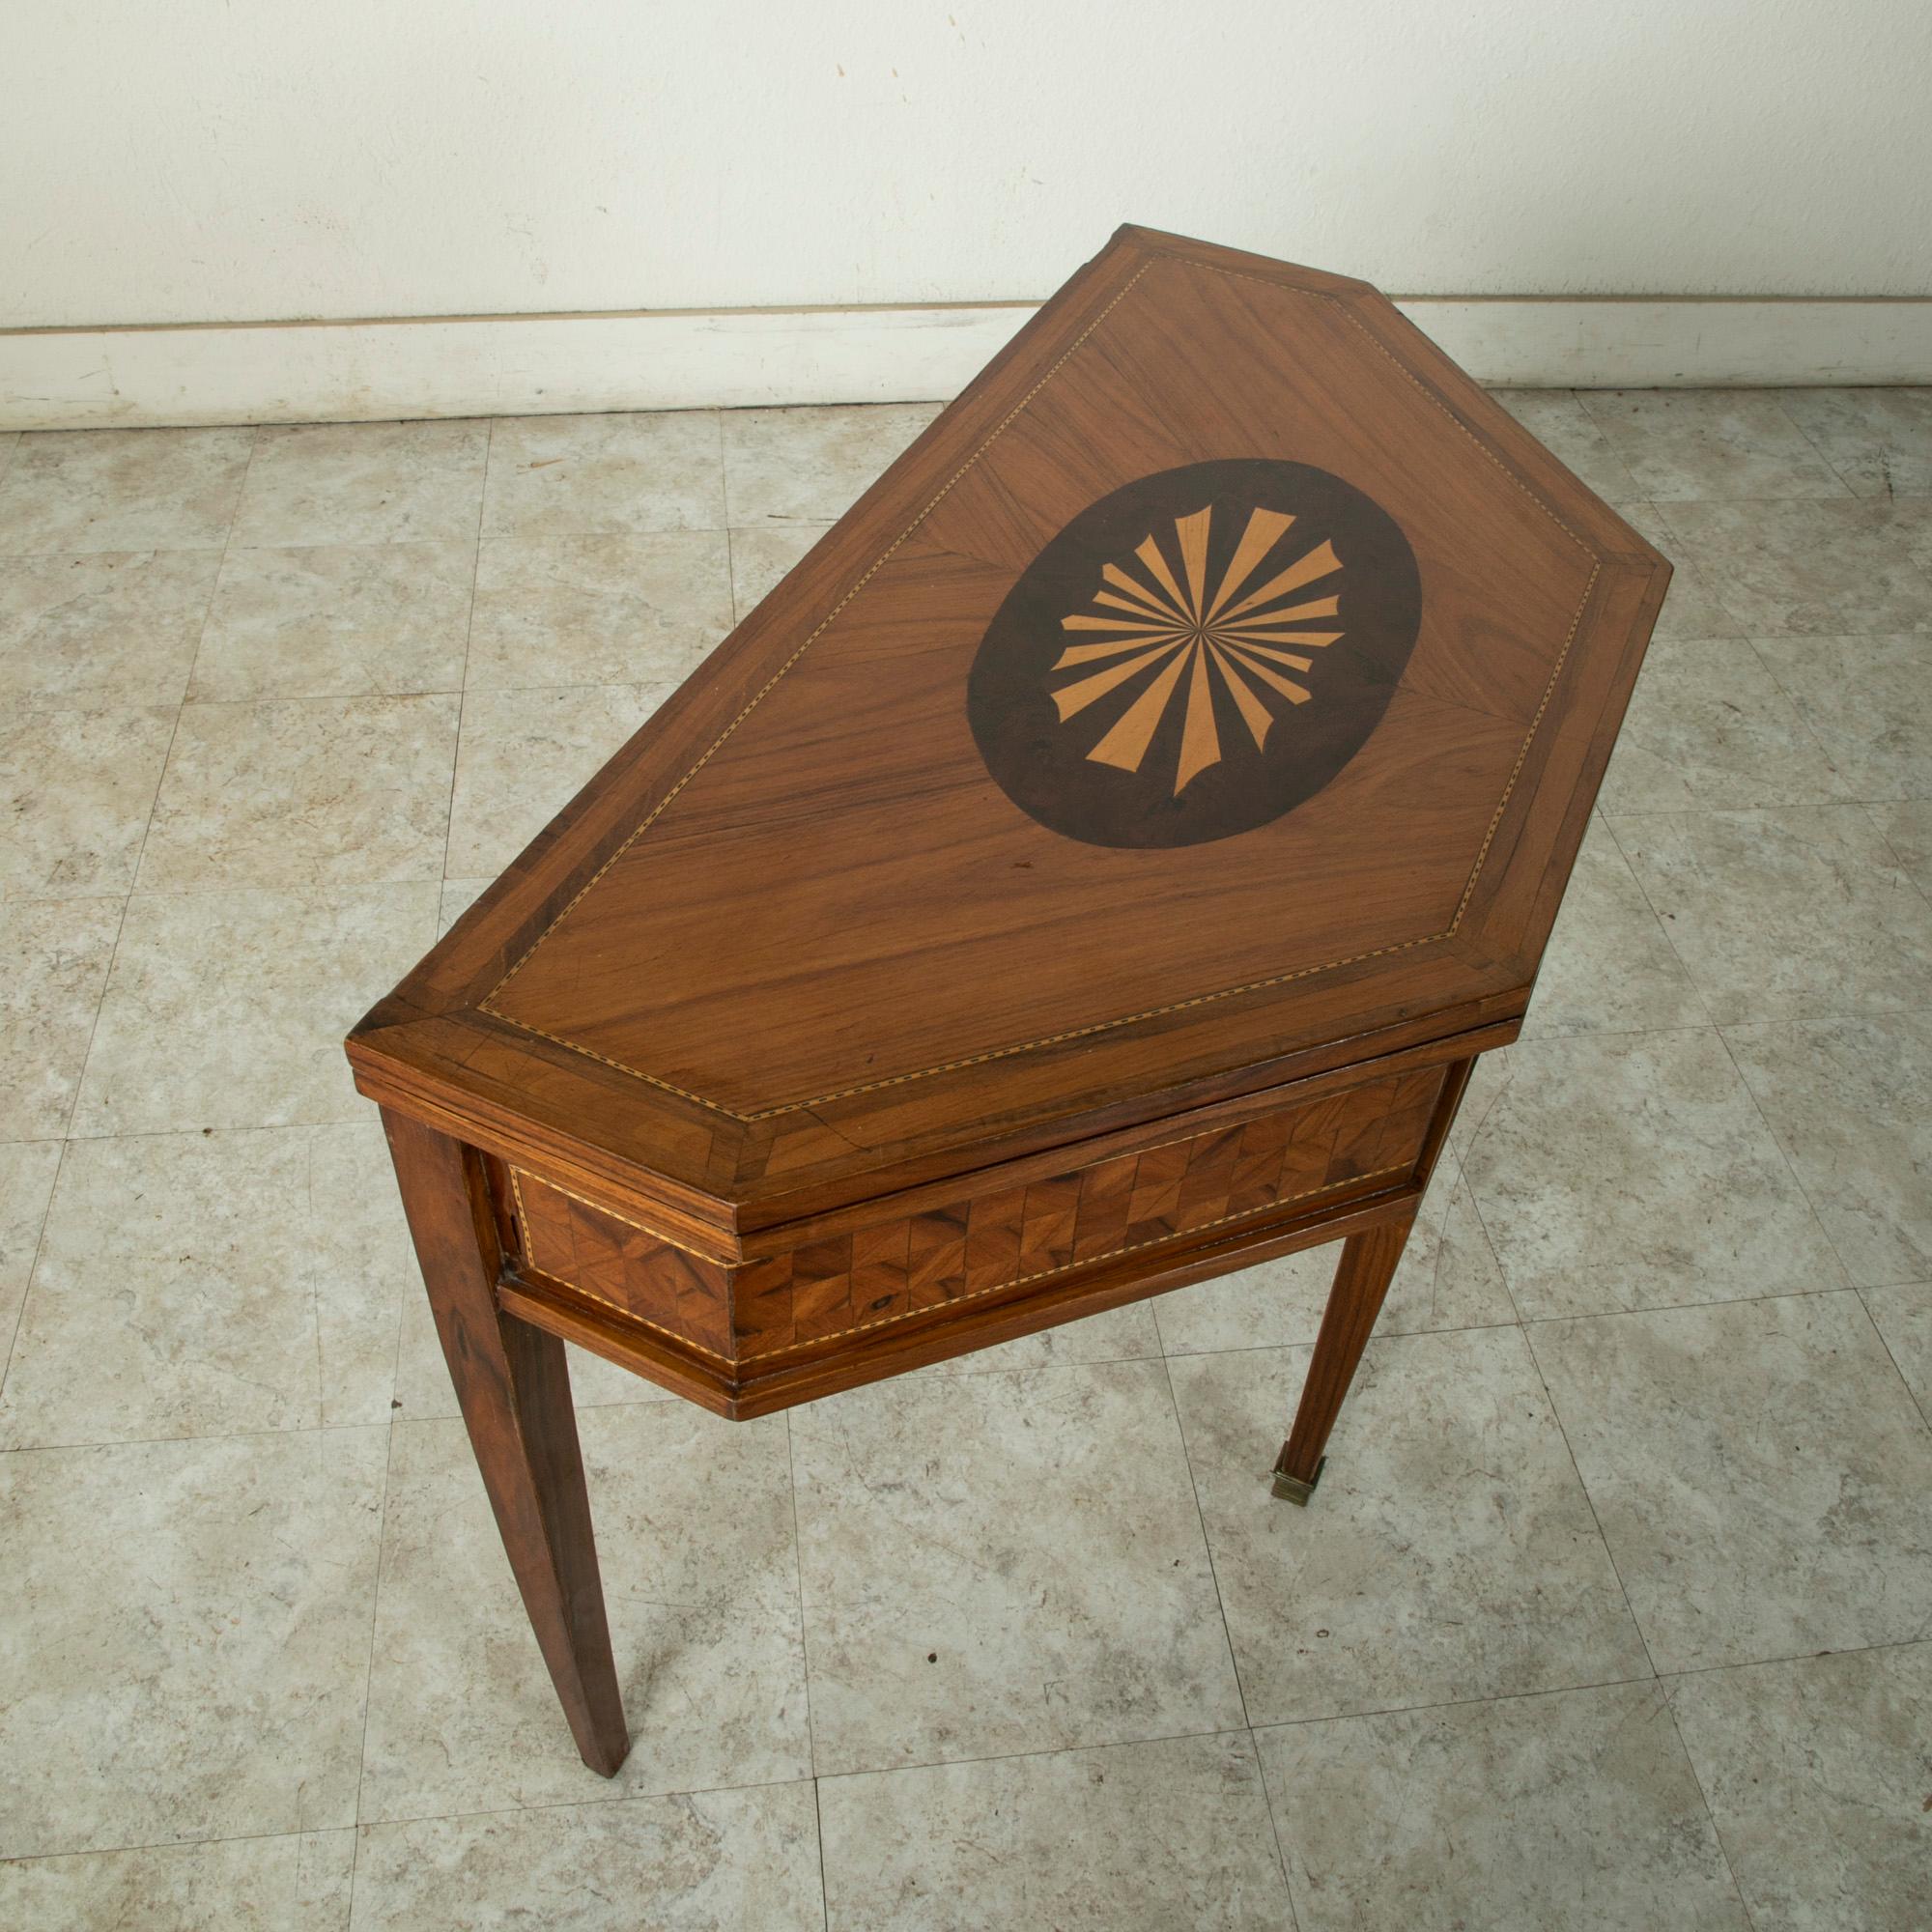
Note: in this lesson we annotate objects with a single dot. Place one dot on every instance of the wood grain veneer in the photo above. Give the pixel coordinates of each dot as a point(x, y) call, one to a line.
point(1096, 867)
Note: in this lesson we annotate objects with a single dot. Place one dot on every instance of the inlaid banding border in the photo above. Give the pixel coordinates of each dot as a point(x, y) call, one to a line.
point(1144, 1013)
point(1091, 1261)
point(527, 1242)
point(800, 1350)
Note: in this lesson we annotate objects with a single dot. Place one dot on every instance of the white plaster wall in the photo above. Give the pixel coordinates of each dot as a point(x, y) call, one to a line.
point(228, 159)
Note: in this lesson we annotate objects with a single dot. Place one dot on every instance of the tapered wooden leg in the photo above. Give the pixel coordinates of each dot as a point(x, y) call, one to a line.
point(514, 1387)
point(1362, 1277)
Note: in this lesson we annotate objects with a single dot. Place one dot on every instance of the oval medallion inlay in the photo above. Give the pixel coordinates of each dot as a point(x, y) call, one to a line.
point(1195, 654)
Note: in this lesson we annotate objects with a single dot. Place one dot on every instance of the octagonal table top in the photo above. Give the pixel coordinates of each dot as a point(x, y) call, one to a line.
point(1216, 691)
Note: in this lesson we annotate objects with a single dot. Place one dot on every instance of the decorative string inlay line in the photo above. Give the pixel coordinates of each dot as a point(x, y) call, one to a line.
point(1088, 1260)
point(624, 1220)
point(910, 1314)
point(591, 1293)
point(1168, 628)
point(1148, 1013)
point(610, 1213)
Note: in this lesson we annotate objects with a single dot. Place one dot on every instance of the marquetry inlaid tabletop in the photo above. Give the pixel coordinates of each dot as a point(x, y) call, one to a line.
point(1223, 678)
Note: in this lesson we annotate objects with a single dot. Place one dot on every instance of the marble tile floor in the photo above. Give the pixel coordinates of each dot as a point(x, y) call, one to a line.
point(1615, 1609)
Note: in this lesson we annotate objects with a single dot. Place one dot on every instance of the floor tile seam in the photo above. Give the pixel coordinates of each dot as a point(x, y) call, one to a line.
point(310, 1268)
point(715, 410)
point(603, 1795)
point(1786, 1660)
point(1208, 1541)
point(167, 761)
point(147, 829)
point(1839, 495)
point(1824, 1019)
point(593, 531)
point(1590, 1502)
point(1581, 399)
point(66, 1132)
point(1802, 714)
point(208, 611)
point(294, 1433)
point(725, 503)
point(201, 1130)
point(1689, 1762)
point(818, 1837)
point(1258, 1732)
point(1482, 1223)
point(119, 549)
point(385, 544)
point(606, 1795)
point(1022, 1755)
point(1790, 1163)
point(1658, 920)
point(137, 1845)
point(1657, 509)
point(1744, 502)
point(264, 700)
point(1704, 1797)
point(1612, 813)
point(331, 697)
point(798, 1582)
point(19, 1320)
point(568, 688)
point(369, 1659)
point(1567, 1688)
point(1691, 1307)
point(1871, 808)
point(1778, 396)
point(1846, 1292)
point(1452, 1158)
point(731, 576)
point(319, 889)
point(463, 682)
point(1898, 1368)
point(1524, 1323)
point(1281, 1841)
point(1226, 1629)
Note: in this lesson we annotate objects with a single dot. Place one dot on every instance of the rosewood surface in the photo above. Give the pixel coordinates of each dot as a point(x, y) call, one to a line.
point(1095, 868)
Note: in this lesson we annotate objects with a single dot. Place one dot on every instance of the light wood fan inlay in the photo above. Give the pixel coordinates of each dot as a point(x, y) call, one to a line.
point(1195, 653)
point(1176, 634)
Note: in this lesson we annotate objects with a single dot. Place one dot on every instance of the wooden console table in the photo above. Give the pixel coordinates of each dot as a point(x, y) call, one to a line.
point(1096, 868)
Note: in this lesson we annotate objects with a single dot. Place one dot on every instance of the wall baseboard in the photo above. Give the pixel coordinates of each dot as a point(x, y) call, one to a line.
point(535, 365)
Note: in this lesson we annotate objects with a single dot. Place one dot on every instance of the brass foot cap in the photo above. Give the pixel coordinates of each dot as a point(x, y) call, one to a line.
point(1292, 1489)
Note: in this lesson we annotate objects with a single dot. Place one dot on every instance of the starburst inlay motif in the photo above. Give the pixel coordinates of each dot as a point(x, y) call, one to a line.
point(1175, 634)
